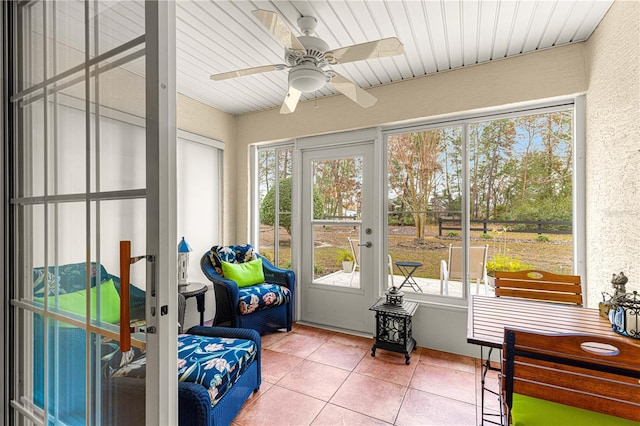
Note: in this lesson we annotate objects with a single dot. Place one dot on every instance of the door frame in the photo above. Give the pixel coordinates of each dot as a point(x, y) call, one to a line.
point(161, 214)
point(160, 56)
point(374, 219)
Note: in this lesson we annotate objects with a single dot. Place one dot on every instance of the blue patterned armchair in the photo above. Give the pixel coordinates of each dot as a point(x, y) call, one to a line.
point(262, 304)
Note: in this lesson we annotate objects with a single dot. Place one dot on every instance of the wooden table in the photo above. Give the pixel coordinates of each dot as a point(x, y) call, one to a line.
point(489, 315)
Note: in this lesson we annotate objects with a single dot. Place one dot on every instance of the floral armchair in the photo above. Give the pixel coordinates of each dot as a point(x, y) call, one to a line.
point(250, 292)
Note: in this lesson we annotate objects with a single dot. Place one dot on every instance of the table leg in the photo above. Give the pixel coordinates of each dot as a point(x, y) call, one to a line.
point(486, 366)
point(200, 303)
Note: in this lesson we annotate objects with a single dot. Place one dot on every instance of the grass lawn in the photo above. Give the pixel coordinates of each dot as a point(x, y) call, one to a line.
point(555, 255)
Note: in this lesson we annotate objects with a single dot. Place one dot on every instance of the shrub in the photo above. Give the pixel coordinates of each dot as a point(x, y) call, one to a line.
point(452, 234)
point(542, 238)
point(500, 262)
point(486, 236)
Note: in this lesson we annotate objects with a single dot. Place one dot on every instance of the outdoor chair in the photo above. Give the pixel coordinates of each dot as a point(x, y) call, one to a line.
point(354, 244)
point(539, 285)
point(250, 292)
point(563, 379)
point(452, 269)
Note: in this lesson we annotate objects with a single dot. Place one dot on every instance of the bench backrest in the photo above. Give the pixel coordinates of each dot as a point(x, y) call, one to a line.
point(586, 371)
point(540, 285)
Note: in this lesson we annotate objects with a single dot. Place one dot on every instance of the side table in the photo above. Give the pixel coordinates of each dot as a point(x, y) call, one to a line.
point(196, 290)
point(393, 327)
point(407, 269)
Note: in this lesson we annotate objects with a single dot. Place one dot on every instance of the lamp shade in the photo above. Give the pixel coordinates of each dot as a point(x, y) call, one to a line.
point(184, 247)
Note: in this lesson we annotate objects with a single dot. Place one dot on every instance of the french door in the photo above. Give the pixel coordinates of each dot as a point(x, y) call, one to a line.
point(92, 163)
point(340, 221)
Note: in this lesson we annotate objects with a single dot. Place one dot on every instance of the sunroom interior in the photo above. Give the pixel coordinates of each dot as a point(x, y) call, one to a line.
point(599, 75)
point(594, 81)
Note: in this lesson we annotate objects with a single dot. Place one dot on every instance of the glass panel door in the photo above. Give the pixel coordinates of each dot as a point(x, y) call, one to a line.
point(80, 185)
point(340, 239)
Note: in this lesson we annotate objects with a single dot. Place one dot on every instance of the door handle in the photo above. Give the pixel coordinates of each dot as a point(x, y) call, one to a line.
point(368, 244)
point(125, 272)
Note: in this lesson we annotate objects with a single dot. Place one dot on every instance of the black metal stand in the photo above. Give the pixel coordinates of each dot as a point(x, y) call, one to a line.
point(394, 327)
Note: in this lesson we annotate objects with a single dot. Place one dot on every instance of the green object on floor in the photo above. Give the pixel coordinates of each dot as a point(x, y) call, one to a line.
point(529, 411)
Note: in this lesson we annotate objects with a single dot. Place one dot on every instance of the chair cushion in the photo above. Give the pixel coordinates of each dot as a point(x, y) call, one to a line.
point(214, 362)
point(529, 411)
point(67, 278)
point(231, 254)
point(244, 274)
point(262, 296)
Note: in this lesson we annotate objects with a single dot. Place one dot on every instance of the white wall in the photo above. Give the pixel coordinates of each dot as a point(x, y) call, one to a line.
point(613, 149)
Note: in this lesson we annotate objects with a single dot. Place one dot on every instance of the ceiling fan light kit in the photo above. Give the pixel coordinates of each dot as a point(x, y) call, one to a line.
point(307, 78)
point(308, 58)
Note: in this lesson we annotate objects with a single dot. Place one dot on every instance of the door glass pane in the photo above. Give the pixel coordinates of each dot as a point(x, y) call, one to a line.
point(120, 141)
point(337, 204)
point(521, 191)
point(425, 211)
point(31, 152)
point(65, 44)
point(118, 22)
point(66, 139)
point(32, 26)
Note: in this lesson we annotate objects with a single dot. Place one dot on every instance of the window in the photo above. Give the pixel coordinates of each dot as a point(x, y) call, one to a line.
point(274, 204)
point(518, 180)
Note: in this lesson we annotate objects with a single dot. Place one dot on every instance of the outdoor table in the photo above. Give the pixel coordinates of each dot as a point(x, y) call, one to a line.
point(407, 269)
point(488, 316)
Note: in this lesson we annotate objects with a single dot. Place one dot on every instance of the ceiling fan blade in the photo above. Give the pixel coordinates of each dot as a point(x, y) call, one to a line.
point(352, 91)
point(373, 49)
point(247, 71)
point(278, 28)
point(291, 101)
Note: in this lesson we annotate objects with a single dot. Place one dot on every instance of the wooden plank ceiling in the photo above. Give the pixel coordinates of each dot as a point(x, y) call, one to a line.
point(217, 36)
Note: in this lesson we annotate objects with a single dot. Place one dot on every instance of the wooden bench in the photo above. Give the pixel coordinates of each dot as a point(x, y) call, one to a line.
point(578, 379)
point(540, 285)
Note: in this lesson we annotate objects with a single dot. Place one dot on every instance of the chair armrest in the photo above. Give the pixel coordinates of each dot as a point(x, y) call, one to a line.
point(213, 276)
point(444, 271)
point(194, 404)
point(275, 275)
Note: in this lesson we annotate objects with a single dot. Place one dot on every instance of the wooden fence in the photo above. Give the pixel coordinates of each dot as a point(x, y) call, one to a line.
point(530, 226)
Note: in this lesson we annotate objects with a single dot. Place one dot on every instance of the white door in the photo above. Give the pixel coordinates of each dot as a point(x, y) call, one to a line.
point(339, 219)
point(93, 143)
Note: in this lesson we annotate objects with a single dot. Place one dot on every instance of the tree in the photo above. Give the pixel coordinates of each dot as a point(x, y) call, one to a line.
point(268, 206)
point(413, 167)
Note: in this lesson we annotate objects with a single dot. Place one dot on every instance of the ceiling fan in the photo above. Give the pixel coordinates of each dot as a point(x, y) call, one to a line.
point(308, 59)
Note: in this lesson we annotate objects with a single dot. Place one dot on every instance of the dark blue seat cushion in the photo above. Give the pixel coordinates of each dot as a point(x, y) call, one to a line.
point(261, 296)
point(214, 362)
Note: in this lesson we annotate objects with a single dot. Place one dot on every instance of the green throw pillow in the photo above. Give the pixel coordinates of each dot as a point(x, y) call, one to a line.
point(75, 302)
point(244, 274)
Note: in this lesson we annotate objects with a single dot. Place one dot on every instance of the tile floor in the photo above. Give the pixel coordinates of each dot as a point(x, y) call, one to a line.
point(312, 376)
